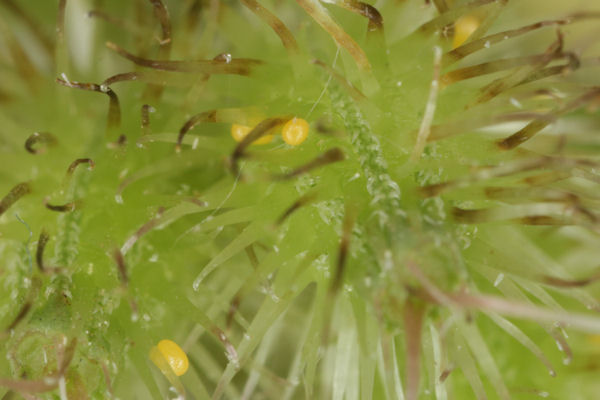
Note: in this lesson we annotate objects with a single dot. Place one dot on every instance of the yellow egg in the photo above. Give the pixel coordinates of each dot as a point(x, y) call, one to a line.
point(239, 132)
point(174, 355)
point(463, 28)
point(295, 131)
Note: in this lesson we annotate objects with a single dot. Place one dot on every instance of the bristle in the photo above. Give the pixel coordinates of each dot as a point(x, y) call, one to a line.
point(441, 6)
point(19, 317)
point(67, 207)
point(13, 195)
point(147, 227)
point(145, 119)
point(366, 10)
point(481, 352)
point(521, 74)
point(39, 254)
point(330, 156)
point(30, 386)
point(237, 66)
point(572, 63)
point(569, 283)
point(338, 276)
point(114, 108)
point(60, 20)
point(39, 137)
point(73, 166)
point(285, 35)
point(563, 346)
point(65, 356)
point(534, 127)
point(413, 322)
point(121, 267)
point(207, 116)
point(302, 201)
point(487, 41)
point(322, 17)
point(425, 128)
point(349, 87)
point(107, 379)
point(161, 13)
point(523, 339)
point(491, 67)
point(528, 214)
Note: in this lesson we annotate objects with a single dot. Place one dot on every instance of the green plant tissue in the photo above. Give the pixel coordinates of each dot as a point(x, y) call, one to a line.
point(309, 199)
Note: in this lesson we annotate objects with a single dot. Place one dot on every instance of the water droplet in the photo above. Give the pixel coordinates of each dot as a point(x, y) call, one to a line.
point(354, 177)
point(515, 103)
point(232, 359)
point(498, 279)
point(560, 348)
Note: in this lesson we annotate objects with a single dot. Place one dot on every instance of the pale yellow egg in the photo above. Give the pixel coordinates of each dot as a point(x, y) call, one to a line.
point(174, 355)
point(295, 131)
point(463, 28)
point(239, 132)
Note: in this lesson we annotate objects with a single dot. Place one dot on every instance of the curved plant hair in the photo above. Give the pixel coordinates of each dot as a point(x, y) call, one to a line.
point(435, 236)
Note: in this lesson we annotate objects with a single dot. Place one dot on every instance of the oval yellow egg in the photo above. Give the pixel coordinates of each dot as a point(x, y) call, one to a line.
point(463, 28)
point(174, 355)
point(295, 131)
point(239, 132)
